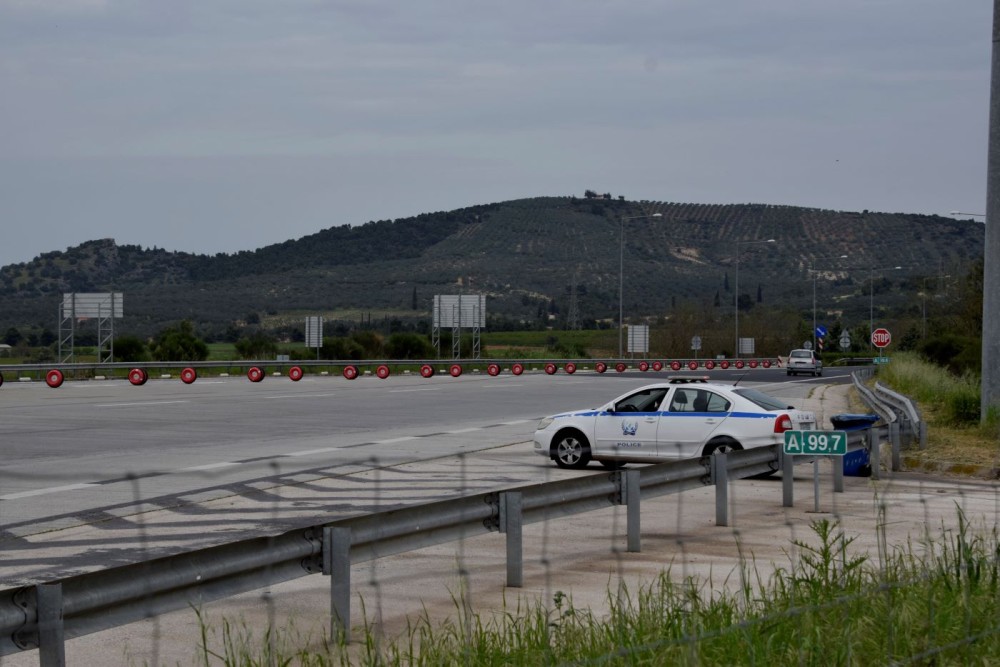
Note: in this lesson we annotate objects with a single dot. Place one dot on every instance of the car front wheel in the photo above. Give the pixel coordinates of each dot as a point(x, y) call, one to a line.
point(571, 450)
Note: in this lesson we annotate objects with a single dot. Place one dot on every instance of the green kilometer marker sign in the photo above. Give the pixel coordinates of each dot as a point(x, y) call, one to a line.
point(816, 443)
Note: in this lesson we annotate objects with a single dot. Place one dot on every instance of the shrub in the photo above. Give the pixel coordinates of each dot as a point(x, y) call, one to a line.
point(408, 346)
point(130, 349)
point(179, 344)
point(256, 346)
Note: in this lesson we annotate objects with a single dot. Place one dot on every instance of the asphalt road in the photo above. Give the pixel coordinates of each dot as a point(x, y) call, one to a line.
point(105, 453)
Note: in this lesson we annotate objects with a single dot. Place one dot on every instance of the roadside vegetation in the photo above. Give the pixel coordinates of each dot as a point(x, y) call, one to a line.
point(950, 404)
point(930, 603)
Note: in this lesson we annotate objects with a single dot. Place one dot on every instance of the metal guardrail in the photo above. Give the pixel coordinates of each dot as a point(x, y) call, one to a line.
point(45, 615)
point(913, 425)
point(896, 409)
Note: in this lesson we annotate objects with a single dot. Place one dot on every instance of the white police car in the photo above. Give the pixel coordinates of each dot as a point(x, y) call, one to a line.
point(677, 419)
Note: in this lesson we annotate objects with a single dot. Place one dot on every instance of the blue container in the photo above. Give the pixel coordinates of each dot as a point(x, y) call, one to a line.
point(857, 463)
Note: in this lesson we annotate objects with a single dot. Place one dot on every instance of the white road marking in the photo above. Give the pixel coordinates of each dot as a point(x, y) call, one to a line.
point(517, 421)
point(310, 452)
point(302, 396)
point(133, 405)
point(42, 492)
point(406, 391)
point(463, 430)
point(210, 466)
point(392, 440)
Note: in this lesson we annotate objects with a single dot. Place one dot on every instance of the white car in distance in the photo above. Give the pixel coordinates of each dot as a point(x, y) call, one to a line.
point(682, 418)
point(804, 361)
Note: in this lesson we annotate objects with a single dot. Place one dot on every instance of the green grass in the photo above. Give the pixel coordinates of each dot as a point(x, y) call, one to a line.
point(927, 604)
point(953, 400)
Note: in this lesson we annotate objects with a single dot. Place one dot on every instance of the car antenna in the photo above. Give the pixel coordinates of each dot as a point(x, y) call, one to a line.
point(739, 378)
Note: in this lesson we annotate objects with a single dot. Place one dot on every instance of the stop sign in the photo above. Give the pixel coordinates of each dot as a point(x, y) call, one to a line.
point(881, 337)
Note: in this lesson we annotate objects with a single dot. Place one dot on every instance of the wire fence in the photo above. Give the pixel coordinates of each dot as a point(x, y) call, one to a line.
point(431, 542)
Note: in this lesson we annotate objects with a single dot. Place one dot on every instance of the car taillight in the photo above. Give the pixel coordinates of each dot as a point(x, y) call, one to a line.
point(782, 423)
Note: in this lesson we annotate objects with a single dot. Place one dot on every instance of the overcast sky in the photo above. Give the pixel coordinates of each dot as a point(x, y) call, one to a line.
point(224, 125)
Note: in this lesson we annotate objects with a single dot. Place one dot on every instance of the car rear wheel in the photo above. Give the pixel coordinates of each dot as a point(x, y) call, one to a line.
point(571, 450)
point(723, 445)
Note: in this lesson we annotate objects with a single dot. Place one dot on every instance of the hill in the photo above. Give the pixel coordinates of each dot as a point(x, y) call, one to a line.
point(548, 259)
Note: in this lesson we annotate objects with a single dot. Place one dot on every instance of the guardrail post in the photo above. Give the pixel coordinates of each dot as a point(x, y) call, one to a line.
point(720, 477)
point(838, 473)
point(894, 444)
point(906, 429)
point(337, 564)
point(51, 641)
point(632, 496)
point(873, 452)
point(787, 478)
point(510, 504)
point(922, 426)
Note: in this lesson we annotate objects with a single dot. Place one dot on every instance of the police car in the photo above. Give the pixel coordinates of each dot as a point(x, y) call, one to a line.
point(677, 419)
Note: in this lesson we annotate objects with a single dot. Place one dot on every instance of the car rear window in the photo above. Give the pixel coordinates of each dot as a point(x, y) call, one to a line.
point(761, 399)
point(802, 353)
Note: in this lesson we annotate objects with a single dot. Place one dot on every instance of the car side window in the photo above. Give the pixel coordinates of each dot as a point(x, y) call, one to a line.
point(683, 400)
point(715, 403)
point(647, 400)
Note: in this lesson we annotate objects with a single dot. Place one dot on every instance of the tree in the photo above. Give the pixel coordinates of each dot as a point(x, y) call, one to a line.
point(341, 348)
point(12, 337)
point(370, 342)
point(256, 346)
point(408, 346)
point(179, 344)
point(130, 349)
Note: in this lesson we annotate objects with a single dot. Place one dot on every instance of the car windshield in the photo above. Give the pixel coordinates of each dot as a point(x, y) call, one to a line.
point(761, 399)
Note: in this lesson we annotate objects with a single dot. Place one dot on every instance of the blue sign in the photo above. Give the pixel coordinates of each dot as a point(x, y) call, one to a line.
point(820, 331)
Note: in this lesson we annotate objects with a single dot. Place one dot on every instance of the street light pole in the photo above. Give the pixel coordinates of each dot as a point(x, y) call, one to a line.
point(621, 276)
point(871, 298)
point(815, 273)
point(736, 296)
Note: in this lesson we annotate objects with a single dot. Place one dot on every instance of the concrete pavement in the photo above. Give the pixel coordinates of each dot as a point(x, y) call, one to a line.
point(583, 556)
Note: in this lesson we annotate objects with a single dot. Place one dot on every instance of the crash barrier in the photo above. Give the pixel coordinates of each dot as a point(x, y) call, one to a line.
point(912, 425)
point(350, 370)
point(44, 616)
point(901, 415)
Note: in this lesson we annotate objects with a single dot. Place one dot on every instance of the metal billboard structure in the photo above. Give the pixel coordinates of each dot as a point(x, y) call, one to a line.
point(75, 308)
point(457, 312)
point(314, 332)
point(638, 338)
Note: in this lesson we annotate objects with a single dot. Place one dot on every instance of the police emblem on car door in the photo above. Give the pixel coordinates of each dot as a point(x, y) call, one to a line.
point(628, 427)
